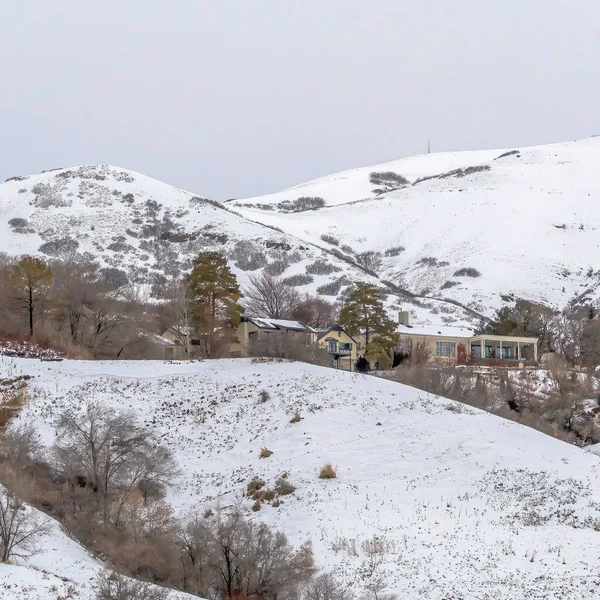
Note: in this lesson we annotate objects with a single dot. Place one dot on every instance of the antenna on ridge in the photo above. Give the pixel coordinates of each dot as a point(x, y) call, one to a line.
point(428, 147)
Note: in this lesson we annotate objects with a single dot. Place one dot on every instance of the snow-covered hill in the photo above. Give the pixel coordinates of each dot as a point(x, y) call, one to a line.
point(527, 220)
point(476, 229)
point(61, 569)
point(143, 230)
point(441, 499)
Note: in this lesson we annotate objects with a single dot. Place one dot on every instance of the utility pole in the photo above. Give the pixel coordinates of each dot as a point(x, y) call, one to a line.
point(428, 147)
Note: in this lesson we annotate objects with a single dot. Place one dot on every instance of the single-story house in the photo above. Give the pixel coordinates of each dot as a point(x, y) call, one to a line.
point(461, 344)
point(252, 332)
point(341, 346)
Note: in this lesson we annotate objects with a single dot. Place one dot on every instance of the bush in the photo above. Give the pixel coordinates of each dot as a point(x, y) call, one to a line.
point(321, 267)
point(301, 204)
point(296, 418)
point(394, 251)
point(256, 506)
point(298, 280)
point(18, 223)
point(112, 586)
point(332, 288)
point(369, 260)
point(265, 453)
point(264, 396)
point(283, 487)
point(388, 181)
point(256, 484)
point(449, 284)
point(347, 249)
point(277, 267)
point(327, 472)
point(467, 272)
point(59, 247)
point(248, 256)
point(330, 239)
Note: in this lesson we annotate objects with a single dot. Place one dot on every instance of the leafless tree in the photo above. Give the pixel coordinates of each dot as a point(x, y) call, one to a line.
point(107, 451)
point(315, 312)
point(112, 586)
point(326, 587)
point(20, 527)
point(18, 445)
point(268, 296)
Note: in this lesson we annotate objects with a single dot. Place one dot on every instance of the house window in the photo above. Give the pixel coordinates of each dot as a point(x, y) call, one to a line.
point(345, 347)
point(332, 347)
point(445, 349)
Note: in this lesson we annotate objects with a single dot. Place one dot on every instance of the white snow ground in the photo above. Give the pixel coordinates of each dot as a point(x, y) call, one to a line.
point(463, 504)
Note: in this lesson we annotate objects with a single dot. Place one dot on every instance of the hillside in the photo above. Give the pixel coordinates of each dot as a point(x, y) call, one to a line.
point(142, 230)
point(62, 569)
point(443, 500)
point(525, 219)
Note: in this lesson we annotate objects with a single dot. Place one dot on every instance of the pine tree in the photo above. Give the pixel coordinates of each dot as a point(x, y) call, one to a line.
point(215, 294)
point(363, 313)
point(29, 282)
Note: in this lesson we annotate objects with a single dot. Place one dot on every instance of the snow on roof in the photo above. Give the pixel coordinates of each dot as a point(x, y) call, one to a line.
point(436, 330)
point(278, 323)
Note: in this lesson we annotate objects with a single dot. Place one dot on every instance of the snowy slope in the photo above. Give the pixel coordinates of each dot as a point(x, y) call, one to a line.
point(529, 223)
point(144, 230)
point(463, 504)
point(61, 569)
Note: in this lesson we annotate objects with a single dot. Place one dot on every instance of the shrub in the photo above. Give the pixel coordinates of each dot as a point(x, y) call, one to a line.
point(321, 267)
point(467, 272)
point(296, 418)
point(369, 260)
point(256, 506)
point(300, 204)
point(112, 586)
point(449, 284)
point(18, 223)
point(264, 396)
point(283, 487)
point(428, 261)
point(248, 256)
point(510, 153)
point(265, 453)
point(59, 247)
point(332, 288)
point(327, 472)
point(348, 249)
point(330, 239)
point(256, 484)
point(394, 251)
point(277, 267)
point(388, 181)
point(298, 280)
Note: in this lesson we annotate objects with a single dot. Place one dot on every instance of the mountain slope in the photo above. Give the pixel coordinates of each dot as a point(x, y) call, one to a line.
point(441, 499)
point(527, 220)
point(143, 231)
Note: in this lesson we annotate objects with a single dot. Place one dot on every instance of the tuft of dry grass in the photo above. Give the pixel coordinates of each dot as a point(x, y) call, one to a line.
point(283, 487)
point(256, 506)
point(255, 484)
point(327, 472)
point(265, 453)
point(264, 396)
point(296, 418)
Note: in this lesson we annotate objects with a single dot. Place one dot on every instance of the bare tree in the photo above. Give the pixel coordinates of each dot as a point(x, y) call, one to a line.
point(107, 451)
point(315, 312)
point(268, 296)
point(112, 586)
point(326, 587)
point(20, 527)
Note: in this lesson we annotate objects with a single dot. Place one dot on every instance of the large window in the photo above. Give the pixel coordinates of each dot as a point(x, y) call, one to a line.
point(332, 347)
point(405, 345)
point(445, 349)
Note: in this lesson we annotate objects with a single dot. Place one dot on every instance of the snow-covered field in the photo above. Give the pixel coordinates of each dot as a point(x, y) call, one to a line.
point(445, 501)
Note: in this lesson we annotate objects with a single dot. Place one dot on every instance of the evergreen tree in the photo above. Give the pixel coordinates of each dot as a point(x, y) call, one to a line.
point(363, 313)
point(29, 282)
point(215, 294)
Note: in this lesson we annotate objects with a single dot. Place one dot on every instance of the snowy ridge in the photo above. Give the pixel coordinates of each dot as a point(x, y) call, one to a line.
point(463, 504)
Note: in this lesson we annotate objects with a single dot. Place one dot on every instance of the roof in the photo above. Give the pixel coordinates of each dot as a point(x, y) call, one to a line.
point(265, 323)
point(436, 331)
point(321, 333)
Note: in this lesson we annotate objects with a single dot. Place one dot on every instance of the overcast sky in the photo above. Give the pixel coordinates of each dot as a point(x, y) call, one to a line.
point(234, 98)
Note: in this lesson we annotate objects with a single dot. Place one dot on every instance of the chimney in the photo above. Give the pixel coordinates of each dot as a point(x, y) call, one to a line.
point(403, 317)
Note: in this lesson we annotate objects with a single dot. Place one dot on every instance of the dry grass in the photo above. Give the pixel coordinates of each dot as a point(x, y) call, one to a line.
point(296, 418)
point(327, 472)
point(256, 506)
point(10, 404)
point(283, 487)
point(254, 486)
point(265, 453)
